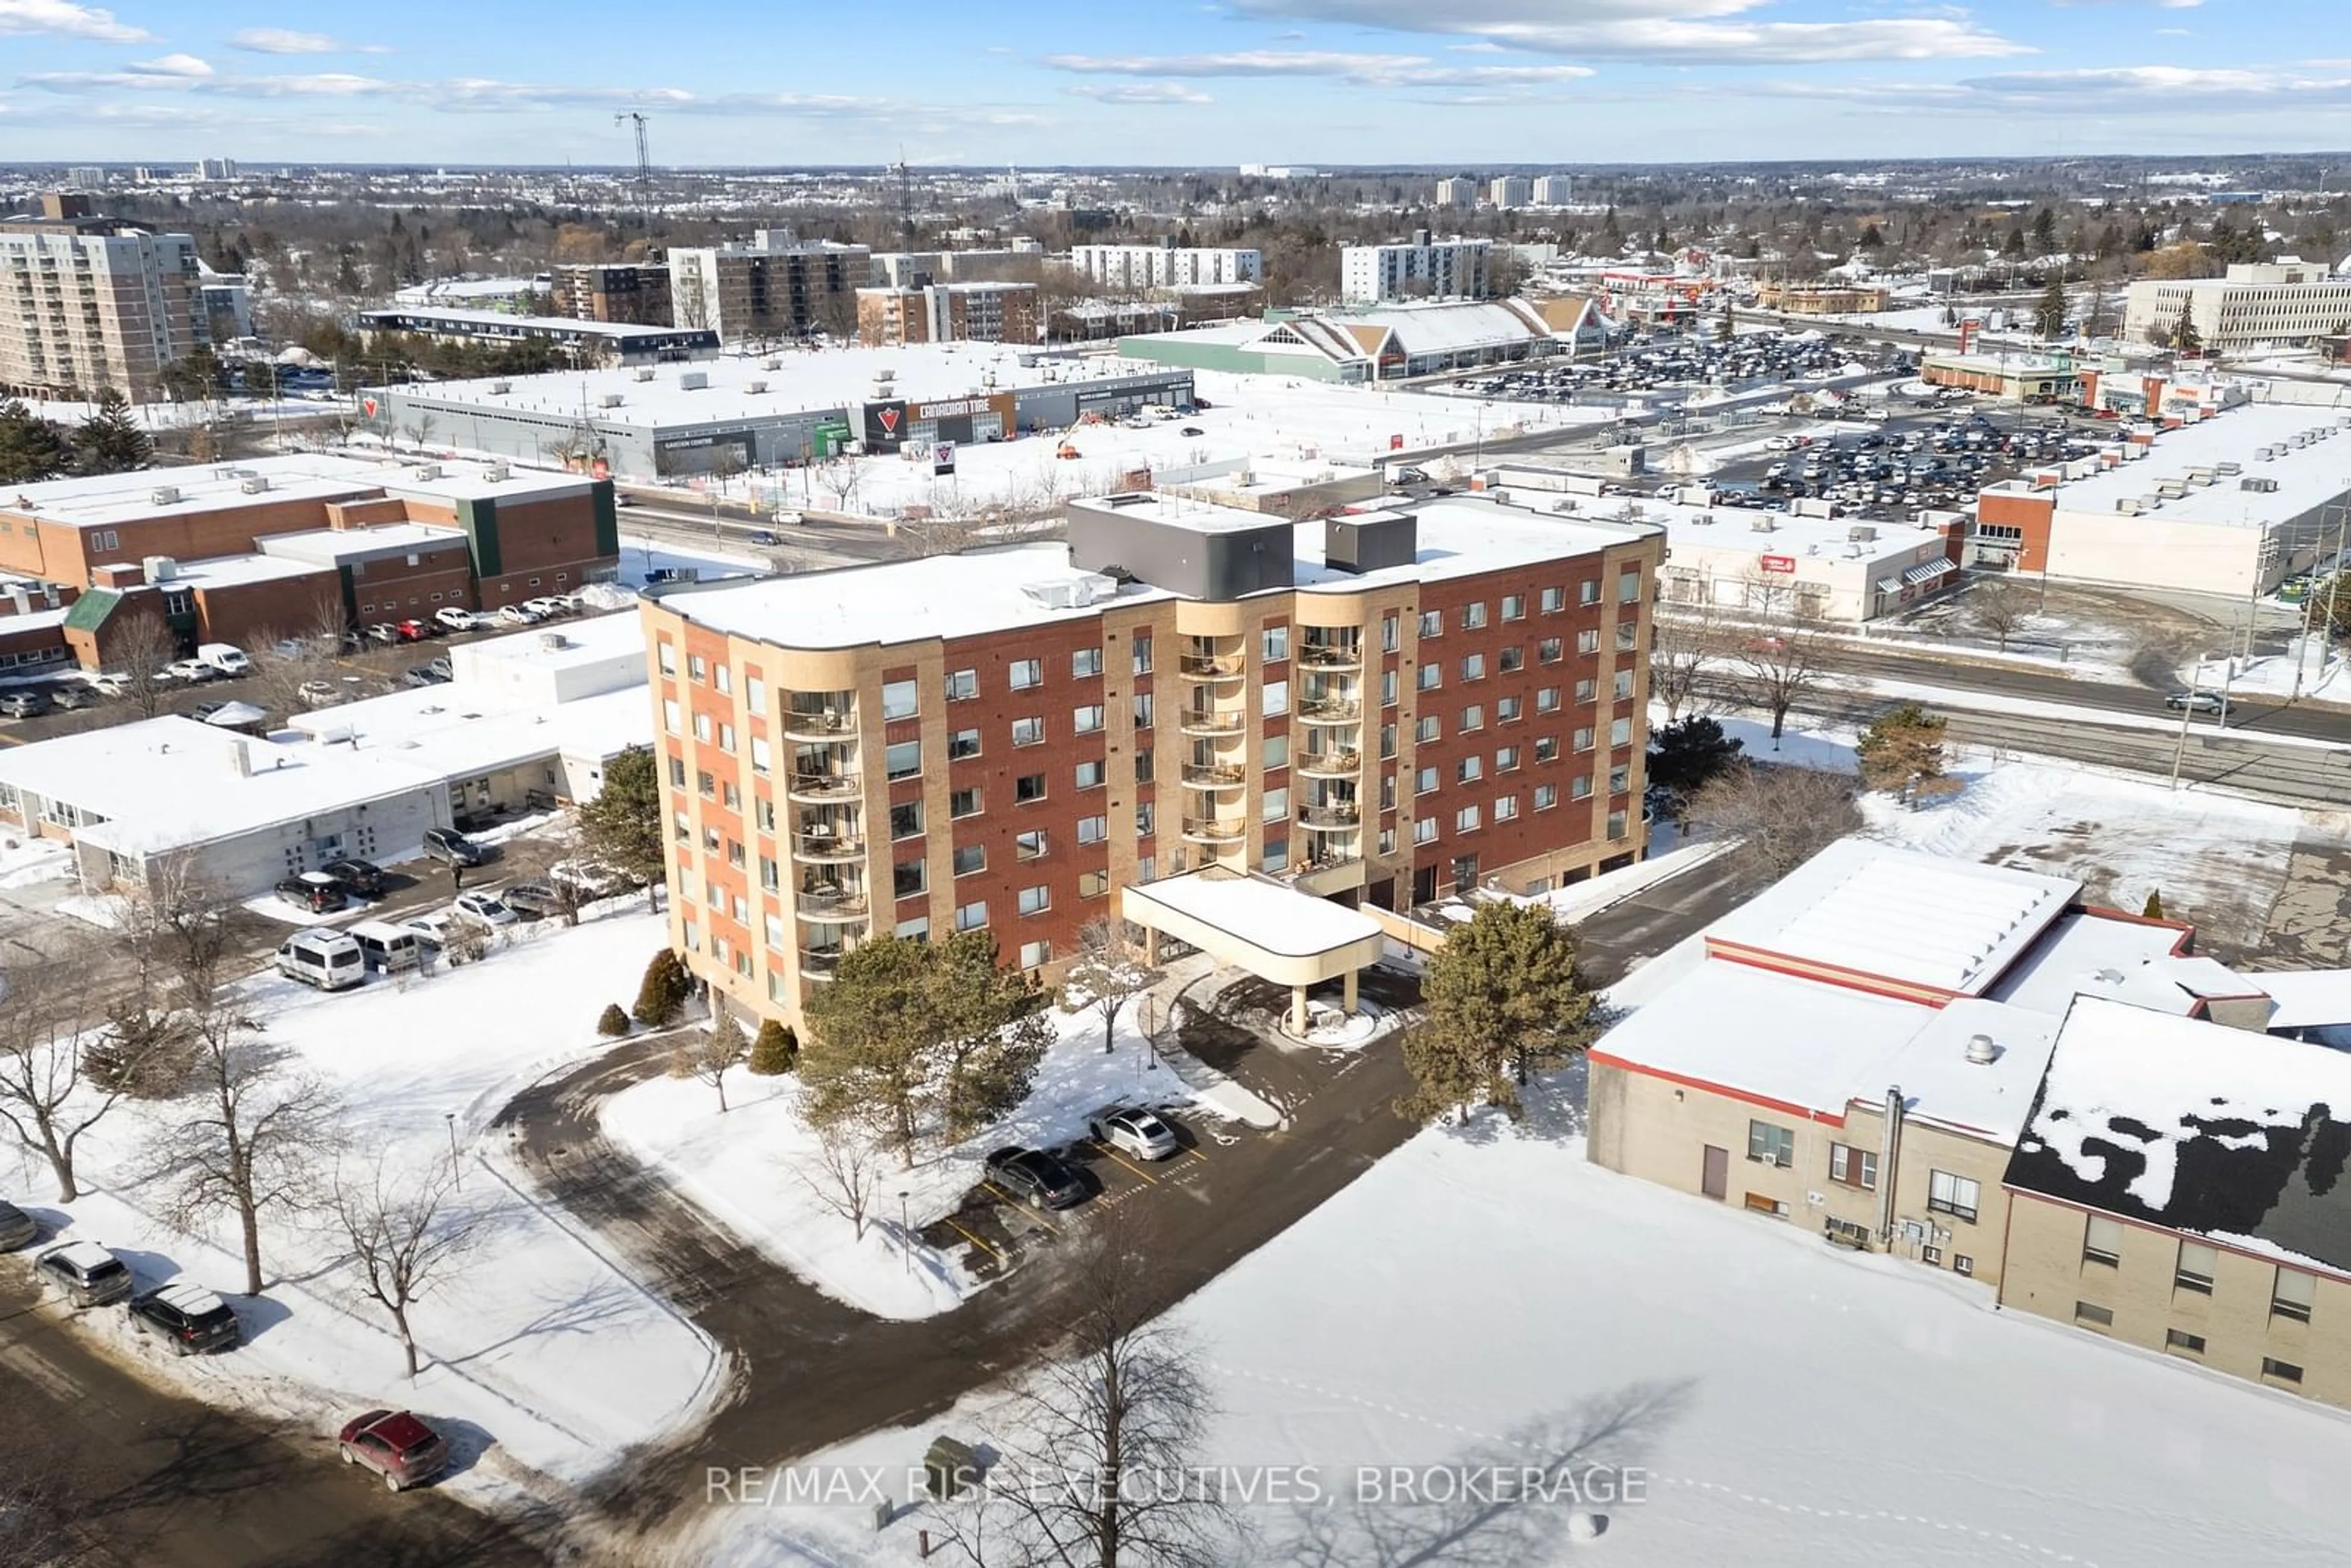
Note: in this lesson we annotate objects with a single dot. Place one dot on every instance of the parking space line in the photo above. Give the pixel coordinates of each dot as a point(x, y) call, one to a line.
point(1011, 1202)
point(976, 1240)
point(1109, 1152)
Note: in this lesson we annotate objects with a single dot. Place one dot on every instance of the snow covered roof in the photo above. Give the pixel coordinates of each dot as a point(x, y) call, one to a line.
point(334, 546)
point(2307, 998)
point(320, 477)
point(1921, 923)
point(2197, 1128)
point(1262, 913)
point(2123, 958)
point(399, 316)
point(2308, 476)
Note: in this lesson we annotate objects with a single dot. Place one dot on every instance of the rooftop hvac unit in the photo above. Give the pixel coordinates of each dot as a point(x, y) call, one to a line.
point(1761, 525)
point(644, 375)
point(2228, 470)
point(1860, 533)
point(498, 388)
point(254, 484)
point(1567, 504)
point(771, 364)
point(694, 381)
point(2265, 486)
point(429, 471)
point(755, 388)
point(551, 641)
point(1702, 520)
point(496, 474)
point(2170, 489)
point(160, 568)
point(2129, 505)
point(610, 400)
point(164, 494)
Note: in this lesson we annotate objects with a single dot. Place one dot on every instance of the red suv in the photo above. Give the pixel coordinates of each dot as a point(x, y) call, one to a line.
point(396, 1445)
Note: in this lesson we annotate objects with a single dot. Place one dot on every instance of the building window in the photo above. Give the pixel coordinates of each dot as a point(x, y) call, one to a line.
point(1085, 664)
point(1853, 1168)
point(1620, 779)
point(962, 686)
point(963, 803)
point(1034, 955)
point(1088, 719)
point(1390, 633)
point(1425, 729)
point(1143, 767)
point(918, 929)
point(1142, 710)
point(902, 758)
point(971, 916)
point(2292, 1295)
point(1507, 710)
point(1423, 781)
point(1583, 738)
point(1770, 1145)
point(1588, 591)
point(1550, 651)
point(1553, 600)
point(670, 715)
point(1468, 770)
point(1143, 655)
point(908, 878)
point(1423, 832)
point(1620, 732)
point(1629, 635)
point(1546, 700)
point(1505, 759)
point(762, 755)
point(697, 668)
point(1514, 607)
point(1145, 823)
point(1465, 821)
point(1473, 616)
point(1093, 829)
point(1963, 1264)
point(1588, 641)
point(1432, 623)
point(1029, 731)
point(2283, 1370)
point(963, 743)
point(906, 820)
point(1587, 692)
point(1275, 753)
point(2184, 1343)
point(1029, 845)
point(1089, 775)
point(1035, 900)
point(1473, 717)
point(1622, 688)
point(1275, 645)
point(1029, 787)
point(2198, 1263)
point(2102, 1241)
point(2091, 1315)
point(1093, 883)
point(664, 652)
point(1026, 673)
point(1431, 676)
point(1388, 687)
point(1952, 1195)
point(1473, 667)
point(1506, 808)
point(1277, 698)
point(1581, 789)
point(900, 699)
point(1512, 660)
point(1546, 797)
point(970, 858)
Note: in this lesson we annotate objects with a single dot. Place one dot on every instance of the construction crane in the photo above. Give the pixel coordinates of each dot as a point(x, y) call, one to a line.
point(898, 171)
point(645, 168)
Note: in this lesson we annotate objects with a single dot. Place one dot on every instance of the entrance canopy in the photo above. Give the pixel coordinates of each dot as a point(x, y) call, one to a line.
point(1276, 933)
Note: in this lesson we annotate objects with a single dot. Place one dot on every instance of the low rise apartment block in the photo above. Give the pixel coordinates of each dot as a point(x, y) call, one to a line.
point(1377, 709)
point(1420, 267)
point(630, 293)
point(948, 313)
point(1165, 265)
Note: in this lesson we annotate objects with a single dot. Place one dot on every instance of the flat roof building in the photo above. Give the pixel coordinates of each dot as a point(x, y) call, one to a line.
point(770, 288)
point(88, 302)
point(634, 293)
point(2282, 302)
point(948, 313)
point(1390, 343)
point(1453, 268)
point(1166, 265)
point(592, 342)
point(1375, 708)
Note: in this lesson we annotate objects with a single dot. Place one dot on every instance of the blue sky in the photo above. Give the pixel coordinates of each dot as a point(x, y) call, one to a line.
point(1463, 82)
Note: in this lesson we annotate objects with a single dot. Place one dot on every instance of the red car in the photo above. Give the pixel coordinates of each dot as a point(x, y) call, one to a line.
point(396, 1445)
point(413, 631)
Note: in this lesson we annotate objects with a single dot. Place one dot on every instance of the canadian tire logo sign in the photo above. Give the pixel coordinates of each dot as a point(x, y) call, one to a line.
point(890, 421)
point(367, 406)
point(885, 424)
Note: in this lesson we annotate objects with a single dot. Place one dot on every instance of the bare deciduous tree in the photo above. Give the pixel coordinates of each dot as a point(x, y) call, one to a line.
point(139, 650)
point(404, 1239)
point(1779, 663)
point(1108, 970)
point(1999, 606)
point(45, 1100)
point(845, 1174)
point(707, 1055)
point(1682, 648)
point(838, 477)
point(1780, 815)
point(1099, 1449)
point(287, 660)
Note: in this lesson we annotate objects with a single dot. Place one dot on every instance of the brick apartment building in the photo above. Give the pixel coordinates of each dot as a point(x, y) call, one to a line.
point(299, 543)
point(88, 302)
point(1375, 709)
point(773, 286)
point(948, 313)
point(631, 292)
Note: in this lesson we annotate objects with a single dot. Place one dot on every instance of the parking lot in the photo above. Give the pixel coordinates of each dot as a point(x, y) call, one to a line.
point(1683, 361)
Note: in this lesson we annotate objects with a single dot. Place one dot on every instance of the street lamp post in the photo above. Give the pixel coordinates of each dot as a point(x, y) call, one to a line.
point(456, 1171)
point(905, 1234)
point(2187, 712)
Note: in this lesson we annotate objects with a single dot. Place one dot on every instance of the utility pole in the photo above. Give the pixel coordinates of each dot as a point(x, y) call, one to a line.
point(644, 170)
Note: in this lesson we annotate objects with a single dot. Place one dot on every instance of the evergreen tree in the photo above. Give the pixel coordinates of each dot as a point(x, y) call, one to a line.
point(30, 448)
point(1902, 743)
point(2049, 315)
point(111, 441)
point(774, 1050)
point(1504, 1002)
point(622, 825)
point(2154, 910)
point(993, 1032)
point(1871, 238)
point(662, 995)
point(1687, 755)
point(613, 1021)
point(2184, 337)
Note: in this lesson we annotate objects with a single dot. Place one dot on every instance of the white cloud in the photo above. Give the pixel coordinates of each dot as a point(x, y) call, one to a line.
point(1370, 70)
point(1704, 32)
point(171, 66)
point(288, 41)
point(1139, 92)
point(2099, 90)
point(66, 20)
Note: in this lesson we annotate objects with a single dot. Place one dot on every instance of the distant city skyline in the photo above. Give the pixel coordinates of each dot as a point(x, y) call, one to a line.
point(1473, 83)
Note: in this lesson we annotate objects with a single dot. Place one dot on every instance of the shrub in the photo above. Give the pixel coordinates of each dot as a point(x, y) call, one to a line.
point(663, 995)
point(612, 1022)
point(775, 1050)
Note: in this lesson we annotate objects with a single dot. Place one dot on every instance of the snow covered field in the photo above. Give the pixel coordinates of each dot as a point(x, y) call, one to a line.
point(1781, 1404)
point(539, 1346)
point(641, 555)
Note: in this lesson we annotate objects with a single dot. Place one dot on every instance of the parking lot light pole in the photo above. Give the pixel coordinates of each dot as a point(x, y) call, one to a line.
point(905, 1234)
point(456, 1171)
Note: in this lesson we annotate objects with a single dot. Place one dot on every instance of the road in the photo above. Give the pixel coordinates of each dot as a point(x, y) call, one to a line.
point(813, 1371)
point(171, 1480)
point(732, 531)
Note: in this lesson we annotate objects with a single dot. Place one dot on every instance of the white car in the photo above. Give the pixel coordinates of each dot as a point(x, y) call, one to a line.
point(457, 618)
point(520, 615)
point(487, 910)
point(435, 926)
point(109, 685)
point(591, 880)
point(548, 608)
point(189, 670)
point(1132, 1131)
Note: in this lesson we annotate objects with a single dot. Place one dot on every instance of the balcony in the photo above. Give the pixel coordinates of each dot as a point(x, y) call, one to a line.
point(1328, 656)
point(1331, 710)
point(828, 849)
point(1215, 830)
point(829, 902)
point(1213, 667)
point(1322, 874)
point(820, 724)
point(818, 788)
point(1196, 722)
point(1329, 764)
point(819, 962)
point(1330, 819)
point(1221, 775)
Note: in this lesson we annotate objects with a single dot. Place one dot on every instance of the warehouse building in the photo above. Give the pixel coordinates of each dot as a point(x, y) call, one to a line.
point(590, 342)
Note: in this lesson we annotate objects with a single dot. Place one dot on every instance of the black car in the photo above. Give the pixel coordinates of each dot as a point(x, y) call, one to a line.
point(189, 1318)
point(314, 891)
point(360, 879)
point(1036, 1178)
point(17, 1229)
point(451, 847)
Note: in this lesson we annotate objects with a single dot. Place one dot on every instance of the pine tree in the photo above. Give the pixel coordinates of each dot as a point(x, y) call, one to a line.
point(1505, 1001)
point(1902, 743)
point(111, 441)
point(1687, 755)
point(622, 825)
point(2154, 910)
point(661, 996)
point(613, 1021)
point(30, 448)
point(2184, 336)
point(2049, 317)
point(775, 1050)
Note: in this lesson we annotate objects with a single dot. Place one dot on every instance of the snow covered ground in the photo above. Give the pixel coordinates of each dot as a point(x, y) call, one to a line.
point(1775, 1402)
point(2321, 674)
point(641, 555)
point(540, 1346)
point(26, 860)
point(755, 1166)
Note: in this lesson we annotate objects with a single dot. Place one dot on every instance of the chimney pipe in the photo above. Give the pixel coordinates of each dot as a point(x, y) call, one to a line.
point(1890, 1154)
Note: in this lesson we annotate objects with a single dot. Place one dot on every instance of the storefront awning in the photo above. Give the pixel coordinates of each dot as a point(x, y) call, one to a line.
point(1889, 585)
point(1929, 572)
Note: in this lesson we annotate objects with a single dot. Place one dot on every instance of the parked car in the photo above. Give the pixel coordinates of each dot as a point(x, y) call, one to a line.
point(17, 1229)
point(1133, 1131)
point(457, 618)
point(73, 697)
point(1191, 430)
point(383, 632)
point(329, 959)
point(189, 1318)
point(110, 684)
point(1035, 1178)
point(192, 671)
point(30, 702)
point(591, 880)
point(314, 891)
point(396, 1445)
point(413, 631)
point(487, 910)
point(434, 927)
point(520, 615)
point(421, 675)
point(88, 1274)
point(319, 694)
point(535, 899)
point(203, 711)
point(440, 666)
point(360, 879)
point(2197, 702)
point(226, 657)
point(547, 608)
point(451, 847)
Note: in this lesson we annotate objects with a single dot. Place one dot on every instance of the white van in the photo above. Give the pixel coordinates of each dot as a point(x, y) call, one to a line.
point(387, 948)
point(330, 960)
point(225, 657)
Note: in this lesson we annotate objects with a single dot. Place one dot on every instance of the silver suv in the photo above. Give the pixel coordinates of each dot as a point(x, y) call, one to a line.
point(88, 1274)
